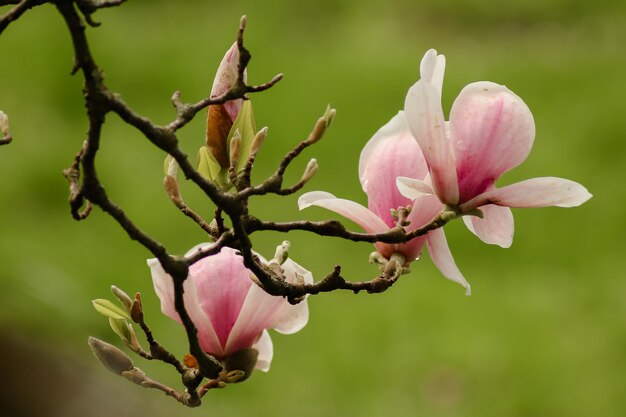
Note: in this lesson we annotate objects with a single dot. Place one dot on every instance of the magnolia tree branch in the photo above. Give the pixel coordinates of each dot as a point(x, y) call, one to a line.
point(86, 191)
point(14, 14)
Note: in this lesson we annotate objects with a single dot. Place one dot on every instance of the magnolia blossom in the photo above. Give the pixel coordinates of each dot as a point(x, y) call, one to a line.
point(230, 312)
point(392, 152)
point(220, 117)
point(491, 131)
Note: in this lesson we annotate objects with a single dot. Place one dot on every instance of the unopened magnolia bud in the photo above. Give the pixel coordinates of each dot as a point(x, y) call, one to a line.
point(310, 170)
point(235, 148)
point(111, 357)
point(122, 296)
point(258, 140)
point(243, 361)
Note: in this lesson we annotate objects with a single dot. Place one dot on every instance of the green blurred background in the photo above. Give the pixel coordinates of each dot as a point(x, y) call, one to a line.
point(544, 333)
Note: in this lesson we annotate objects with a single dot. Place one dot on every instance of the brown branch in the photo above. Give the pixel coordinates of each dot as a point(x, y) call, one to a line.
point(335, 228)
point(170, 184)
point(17, 11)
point(273, 184)
point(98, 102)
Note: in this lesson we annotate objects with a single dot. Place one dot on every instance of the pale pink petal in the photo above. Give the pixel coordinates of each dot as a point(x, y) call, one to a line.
point(492, 131)
point(362, 216)
point(426, 122)
point(442, 257)
point(537, 192)
point(413, 188)
point(432, 69)
point(225, 78)
point(266, 351)
point(391, 152)
point(164, 289)
point(257, 314)
point(495, 228)
point(222, 282)
point(292, 318)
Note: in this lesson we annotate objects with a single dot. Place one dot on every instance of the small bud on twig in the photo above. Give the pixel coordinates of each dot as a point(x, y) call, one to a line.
point(310, 170)
point(258, 140)
point(111, 357)
point(235, 148)
point(136, 310)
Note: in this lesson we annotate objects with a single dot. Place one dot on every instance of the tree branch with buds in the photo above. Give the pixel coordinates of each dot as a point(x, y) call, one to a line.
point(223, 173)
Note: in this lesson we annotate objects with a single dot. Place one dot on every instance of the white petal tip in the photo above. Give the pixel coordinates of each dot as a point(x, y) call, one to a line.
point(309, 199)
point(468, 290)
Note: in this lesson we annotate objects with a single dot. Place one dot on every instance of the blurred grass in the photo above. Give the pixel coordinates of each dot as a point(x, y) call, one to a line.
point(544, 333)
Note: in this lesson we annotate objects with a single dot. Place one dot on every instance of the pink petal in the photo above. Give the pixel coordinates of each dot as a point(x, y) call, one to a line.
point(492, 131)
point(164, 289)
point(432, 69)
point(266, 351)
point(426, 122)
point(362, 216)
point(413, 188)
point(222, 282)
point(442, 257)
point(257, 314)
point(391, 152)
point(537, 192)
point(495, 228)
point(262, 311)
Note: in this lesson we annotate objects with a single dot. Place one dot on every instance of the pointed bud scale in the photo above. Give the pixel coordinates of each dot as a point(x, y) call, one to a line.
point(208, 166)
point(136, 310)
point(111, 357)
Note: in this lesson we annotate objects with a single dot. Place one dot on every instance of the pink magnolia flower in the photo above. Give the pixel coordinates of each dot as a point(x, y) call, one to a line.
point(392, 152)
point(491, 131)
point(230, 312)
